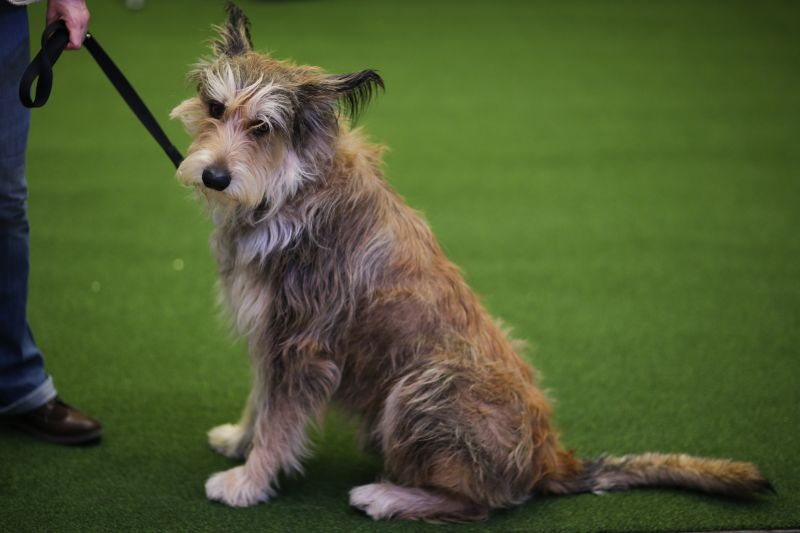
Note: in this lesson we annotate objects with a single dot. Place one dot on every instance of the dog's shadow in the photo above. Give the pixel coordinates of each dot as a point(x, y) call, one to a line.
point(338, 462)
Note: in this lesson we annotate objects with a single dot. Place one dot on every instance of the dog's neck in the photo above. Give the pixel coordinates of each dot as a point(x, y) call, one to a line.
point(248, 235)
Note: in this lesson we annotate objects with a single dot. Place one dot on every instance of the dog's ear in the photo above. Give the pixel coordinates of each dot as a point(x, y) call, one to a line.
point(317, 101)
point(234, 36)
point(354, 91)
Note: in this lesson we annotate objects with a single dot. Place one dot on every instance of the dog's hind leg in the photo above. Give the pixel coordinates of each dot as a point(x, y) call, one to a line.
point(297, 396)
point(455, 445)
point(423, 488)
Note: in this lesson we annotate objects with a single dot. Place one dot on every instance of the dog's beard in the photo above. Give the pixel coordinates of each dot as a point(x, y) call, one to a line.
point(216, 199)
point(225, 209)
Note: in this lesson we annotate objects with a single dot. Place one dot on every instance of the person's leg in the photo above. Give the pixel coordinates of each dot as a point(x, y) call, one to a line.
point(28, 398)
point(24, 384)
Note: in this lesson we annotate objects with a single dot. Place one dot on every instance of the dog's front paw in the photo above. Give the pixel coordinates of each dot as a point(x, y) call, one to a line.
point(228, 440)
point(233, 487)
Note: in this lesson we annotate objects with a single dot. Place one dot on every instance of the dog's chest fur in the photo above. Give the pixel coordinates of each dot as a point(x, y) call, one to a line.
point(280, 282)
point(324, 288)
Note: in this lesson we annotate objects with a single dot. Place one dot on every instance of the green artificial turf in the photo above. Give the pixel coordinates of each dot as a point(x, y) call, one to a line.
point(619, 181)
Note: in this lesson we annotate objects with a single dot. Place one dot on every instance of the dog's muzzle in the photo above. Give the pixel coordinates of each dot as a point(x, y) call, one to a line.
point(216, 178)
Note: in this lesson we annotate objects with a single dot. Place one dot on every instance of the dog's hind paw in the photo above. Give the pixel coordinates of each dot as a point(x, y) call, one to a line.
point(233, 487)
point(227, 440)
point(386, 500)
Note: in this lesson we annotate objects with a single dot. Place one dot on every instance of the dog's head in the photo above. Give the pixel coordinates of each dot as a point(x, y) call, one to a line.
point(262, 128)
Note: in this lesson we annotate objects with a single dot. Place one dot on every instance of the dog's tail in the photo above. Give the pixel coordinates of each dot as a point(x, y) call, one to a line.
point(607, 473)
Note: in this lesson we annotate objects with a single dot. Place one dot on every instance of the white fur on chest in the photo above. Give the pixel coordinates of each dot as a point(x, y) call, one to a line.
point(242, 253)
point(248, 298)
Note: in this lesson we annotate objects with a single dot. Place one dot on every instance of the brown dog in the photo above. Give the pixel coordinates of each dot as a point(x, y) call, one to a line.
point(343, 293)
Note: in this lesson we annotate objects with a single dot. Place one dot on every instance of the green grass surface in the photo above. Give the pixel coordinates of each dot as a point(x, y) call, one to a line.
point(618, 180)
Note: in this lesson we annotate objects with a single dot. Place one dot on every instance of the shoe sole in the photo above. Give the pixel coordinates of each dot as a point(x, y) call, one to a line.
point(91, 437)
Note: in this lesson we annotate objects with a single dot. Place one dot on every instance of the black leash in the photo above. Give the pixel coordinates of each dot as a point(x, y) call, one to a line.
point(54, 39)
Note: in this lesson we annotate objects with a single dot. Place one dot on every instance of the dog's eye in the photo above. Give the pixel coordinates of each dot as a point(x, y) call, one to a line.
point(216, 109)
point(259, 128)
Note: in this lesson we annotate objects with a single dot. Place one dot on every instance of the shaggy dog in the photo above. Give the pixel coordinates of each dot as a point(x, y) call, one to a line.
point(343, 293)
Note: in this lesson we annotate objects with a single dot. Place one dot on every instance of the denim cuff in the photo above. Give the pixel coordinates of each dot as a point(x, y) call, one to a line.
point(33, 400)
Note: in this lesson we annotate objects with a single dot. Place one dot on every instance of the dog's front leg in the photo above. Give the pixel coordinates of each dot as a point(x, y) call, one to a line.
point(297, 396)
point(234, 440)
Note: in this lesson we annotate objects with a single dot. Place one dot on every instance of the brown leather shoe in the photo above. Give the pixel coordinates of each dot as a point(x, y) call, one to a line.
point(58, 422)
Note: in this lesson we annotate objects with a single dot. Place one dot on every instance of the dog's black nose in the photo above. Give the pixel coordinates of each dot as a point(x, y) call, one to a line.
point(216, 178)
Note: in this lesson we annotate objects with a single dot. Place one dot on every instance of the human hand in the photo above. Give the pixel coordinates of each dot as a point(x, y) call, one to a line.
point(75, 14)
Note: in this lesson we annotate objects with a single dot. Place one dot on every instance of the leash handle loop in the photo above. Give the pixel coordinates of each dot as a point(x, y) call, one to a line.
point(54, 40)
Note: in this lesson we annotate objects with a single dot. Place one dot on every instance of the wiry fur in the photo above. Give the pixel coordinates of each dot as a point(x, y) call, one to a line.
point(343, 293)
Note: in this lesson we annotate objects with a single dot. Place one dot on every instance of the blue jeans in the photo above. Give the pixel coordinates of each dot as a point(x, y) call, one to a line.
point(24, 384)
